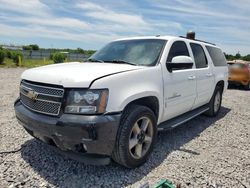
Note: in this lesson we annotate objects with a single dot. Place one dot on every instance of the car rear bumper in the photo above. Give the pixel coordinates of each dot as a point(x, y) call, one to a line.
point(78, 133)
point(238, 80)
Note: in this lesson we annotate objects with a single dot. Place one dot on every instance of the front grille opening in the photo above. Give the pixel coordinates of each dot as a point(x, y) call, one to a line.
point(41, 98)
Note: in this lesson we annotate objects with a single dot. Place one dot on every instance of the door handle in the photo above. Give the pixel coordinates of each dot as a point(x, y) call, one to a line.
point(209, 74)
point(191, 77)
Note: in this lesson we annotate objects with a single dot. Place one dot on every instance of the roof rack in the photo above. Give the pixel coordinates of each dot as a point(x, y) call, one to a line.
point(198, 40)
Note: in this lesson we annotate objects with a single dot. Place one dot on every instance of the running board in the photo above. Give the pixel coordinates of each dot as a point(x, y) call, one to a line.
point(174, 122)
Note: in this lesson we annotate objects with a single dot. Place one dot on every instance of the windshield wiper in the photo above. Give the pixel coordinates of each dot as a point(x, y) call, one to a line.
point(95, 60)
point(120, 61)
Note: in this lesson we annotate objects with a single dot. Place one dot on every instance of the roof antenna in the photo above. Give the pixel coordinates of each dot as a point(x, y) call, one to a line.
point(158, 35)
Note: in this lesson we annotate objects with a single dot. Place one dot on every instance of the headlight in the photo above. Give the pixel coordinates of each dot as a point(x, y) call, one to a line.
point(86, 101)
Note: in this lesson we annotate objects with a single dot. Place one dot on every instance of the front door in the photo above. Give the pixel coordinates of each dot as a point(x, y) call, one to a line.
point(179, 85)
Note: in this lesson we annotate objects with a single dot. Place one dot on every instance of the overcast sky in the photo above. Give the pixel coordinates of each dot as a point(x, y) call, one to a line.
point(91, 24)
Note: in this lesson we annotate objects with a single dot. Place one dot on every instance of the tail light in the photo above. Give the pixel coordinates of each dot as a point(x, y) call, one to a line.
point(246, 70)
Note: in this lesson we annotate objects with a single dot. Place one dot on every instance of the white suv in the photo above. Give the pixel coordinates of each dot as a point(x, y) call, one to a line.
point(113, 105)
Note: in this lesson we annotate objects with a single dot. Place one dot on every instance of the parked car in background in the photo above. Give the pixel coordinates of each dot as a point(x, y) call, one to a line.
point(239, 73)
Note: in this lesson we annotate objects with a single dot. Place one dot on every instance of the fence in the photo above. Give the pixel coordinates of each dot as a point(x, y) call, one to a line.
point(40, 54)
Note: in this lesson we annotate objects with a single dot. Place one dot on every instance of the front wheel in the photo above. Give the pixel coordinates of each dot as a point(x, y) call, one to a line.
point(215, 102)
point(136, 136)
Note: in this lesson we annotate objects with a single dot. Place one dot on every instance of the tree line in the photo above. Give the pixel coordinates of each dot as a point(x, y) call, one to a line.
point(237, 56)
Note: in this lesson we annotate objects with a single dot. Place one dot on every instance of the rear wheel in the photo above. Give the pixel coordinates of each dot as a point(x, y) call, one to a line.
point(215, 102)
point(136, 136)
point(247, 87)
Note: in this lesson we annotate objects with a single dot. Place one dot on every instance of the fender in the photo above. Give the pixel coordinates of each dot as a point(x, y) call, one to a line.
point(128, 86)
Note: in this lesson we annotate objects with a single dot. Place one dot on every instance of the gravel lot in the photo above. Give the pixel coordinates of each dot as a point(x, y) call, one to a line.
point(205, 152)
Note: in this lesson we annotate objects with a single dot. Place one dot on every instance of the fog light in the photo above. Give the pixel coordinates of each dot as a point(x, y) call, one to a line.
point(87, 109)
point(84, 147)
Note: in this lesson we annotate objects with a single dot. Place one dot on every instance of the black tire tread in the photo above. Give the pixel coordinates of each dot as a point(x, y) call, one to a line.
point(118, 154)
point(247, 87)
point(211, 112)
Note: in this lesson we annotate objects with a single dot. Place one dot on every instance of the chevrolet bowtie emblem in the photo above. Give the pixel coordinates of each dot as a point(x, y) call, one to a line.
point(32, 95)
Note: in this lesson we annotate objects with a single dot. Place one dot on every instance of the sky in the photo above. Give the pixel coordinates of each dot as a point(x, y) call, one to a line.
point(91, 24)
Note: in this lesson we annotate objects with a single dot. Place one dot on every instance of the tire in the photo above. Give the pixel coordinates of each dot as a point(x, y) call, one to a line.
point(247, 87)
point(215, 103)
point(131, 141)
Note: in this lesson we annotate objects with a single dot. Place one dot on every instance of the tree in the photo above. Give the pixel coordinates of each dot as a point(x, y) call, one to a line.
point(80, 50)
point(246, 58)
point(34, 47)
point(229, 57)
point(17, 57)
point(2, 56)
point(27, 47)
point(237, 56)
point(58, 57)
point(31, 47)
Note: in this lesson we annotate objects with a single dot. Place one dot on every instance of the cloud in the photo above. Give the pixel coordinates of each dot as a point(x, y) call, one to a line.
point(94, 23)
point(101, 13)
point(199, 8)
point(43, 32)
point(34, 7)
point(68, 23)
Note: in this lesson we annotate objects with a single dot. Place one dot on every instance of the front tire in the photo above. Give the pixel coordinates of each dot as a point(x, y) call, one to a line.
point(215, 103)
point(136, 136)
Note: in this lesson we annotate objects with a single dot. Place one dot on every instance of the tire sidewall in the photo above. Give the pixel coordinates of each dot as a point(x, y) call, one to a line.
point(247, 87)
point(131, 119)
point(218, 89)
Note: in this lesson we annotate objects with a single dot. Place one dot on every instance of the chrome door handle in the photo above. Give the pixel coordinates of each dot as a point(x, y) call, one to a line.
point(209, 74)
point(191, 77)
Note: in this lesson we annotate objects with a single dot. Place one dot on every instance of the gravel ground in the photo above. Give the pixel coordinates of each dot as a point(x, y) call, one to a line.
point(205, 152)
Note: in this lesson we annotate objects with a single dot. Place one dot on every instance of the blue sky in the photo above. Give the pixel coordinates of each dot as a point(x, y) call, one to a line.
point(91, 24)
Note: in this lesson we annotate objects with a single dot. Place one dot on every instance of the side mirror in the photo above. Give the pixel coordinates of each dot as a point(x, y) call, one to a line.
point(179, 63)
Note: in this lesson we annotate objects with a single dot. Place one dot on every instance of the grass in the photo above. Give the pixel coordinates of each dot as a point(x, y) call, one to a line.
point(29, 63)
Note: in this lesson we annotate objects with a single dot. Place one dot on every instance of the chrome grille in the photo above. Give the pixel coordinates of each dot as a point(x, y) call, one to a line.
point(41, 98)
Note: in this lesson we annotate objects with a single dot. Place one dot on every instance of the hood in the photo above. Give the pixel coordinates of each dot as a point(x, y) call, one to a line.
point(74, 74)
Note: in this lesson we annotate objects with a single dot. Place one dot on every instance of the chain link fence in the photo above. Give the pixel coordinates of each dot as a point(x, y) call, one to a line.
point(41, 54)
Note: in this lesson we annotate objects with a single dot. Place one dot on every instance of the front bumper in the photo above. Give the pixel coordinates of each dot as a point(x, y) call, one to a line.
point(92, 134)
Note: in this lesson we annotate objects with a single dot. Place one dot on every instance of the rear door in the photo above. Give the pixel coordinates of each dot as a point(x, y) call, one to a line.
point(179, 85)
point(204, 75)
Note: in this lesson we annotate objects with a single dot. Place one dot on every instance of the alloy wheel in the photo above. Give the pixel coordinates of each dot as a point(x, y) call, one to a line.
point(140, 138)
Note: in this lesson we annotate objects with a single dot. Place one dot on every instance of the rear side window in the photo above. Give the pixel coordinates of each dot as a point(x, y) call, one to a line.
point(236, 65)
point(217, 56)
point(178, 48)
point(199, 55)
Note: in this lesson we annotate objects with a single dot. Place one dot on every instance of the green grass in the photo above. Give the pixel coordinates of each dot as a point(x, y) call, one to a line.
point(29, 63)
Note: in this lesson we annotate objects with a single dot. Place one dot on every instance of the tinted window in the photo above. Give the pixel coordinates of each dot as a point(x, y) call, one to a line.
point(217, 56)
point(236, 65)
point(140, 52)
point(199, 55)
point(177, 48)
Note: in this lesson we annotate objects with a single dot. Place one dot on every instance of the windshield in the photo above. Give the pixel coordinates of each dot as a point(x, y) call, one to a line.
point(138, 52)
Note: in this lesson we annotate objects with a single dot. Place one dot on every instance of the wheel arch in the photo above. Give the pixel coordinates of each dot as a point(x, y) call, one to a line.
point(152, 102)
point(221, 84)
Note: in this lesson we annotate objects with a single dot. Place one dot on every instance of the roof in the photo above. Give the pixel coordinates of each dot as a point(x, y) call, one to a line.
point(167, 37)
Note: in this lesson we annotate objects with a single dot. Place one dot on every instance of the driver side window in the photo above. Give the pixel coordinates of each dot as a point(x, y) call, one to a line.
point(178, 48)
